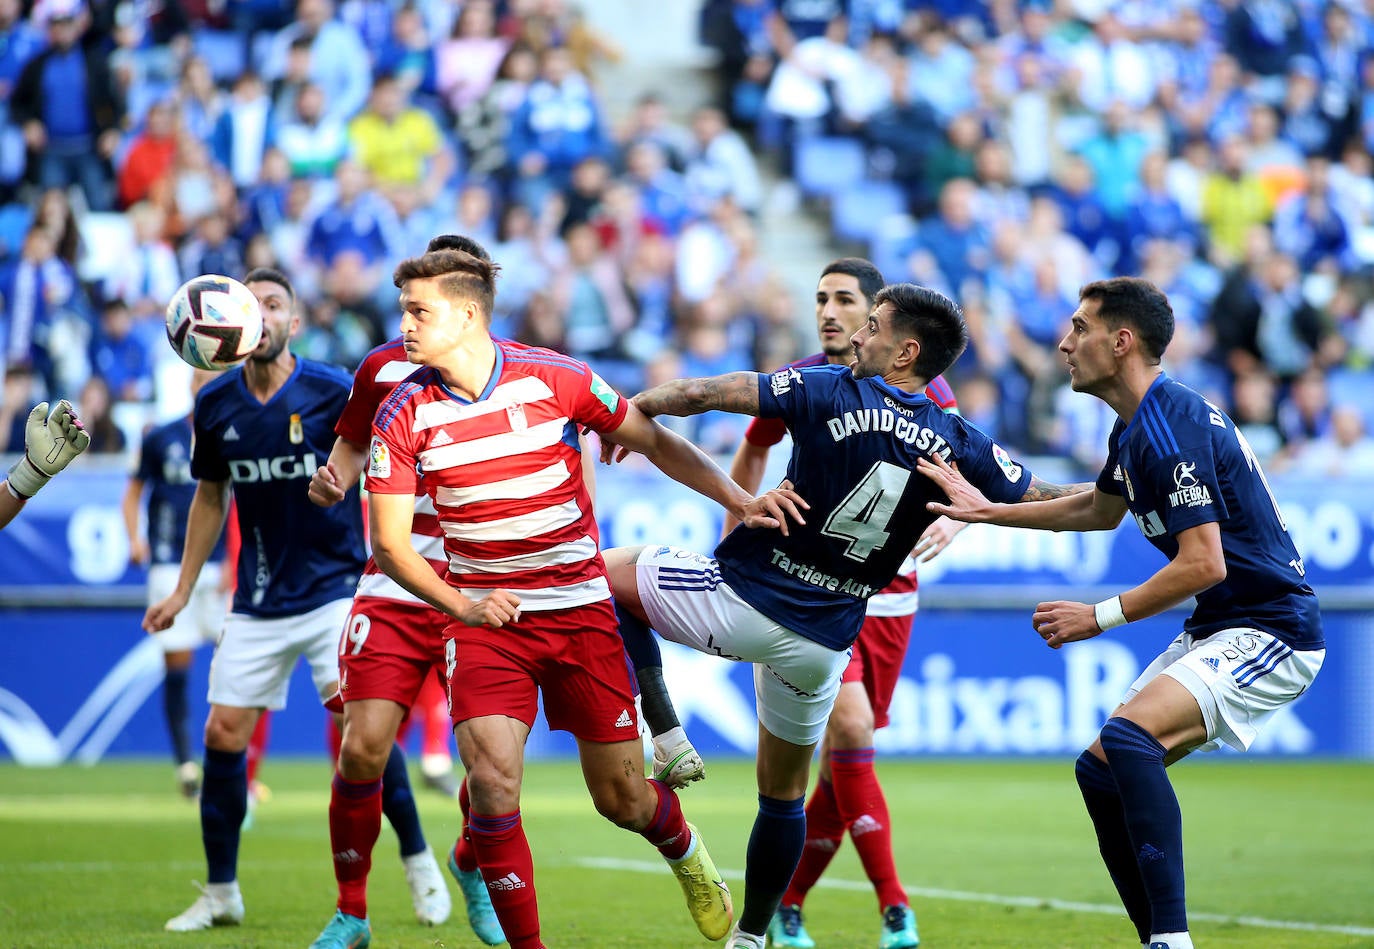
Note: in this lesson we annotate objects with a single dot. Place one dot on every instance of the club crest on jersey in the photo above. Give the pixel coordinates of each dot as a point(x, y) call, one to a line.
point(295, 431)
point(516, 415)
point(781, 381)
point(608, 396)
point(1190, 491)
point(1009, 468)
point(379, 459)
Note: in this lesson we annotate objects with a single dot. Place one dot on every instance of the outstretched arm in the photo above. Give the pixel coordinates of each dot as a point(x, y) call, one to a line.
point(1074, 507)
point(330, 482)
point(684, 462)
point(204, 523)
point(736, 392)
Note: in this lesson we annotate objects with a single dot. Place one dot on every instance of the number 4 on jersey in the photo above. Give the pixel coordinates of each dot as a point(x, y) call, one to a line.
point(862, 517)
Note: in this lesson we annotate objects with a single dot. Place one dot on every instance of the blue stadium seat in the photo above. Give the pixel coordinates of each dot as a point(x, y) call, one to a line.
point(223, 52)
point(1353, 387)
point(887, 249)
point(827, 166)
point(857, 213)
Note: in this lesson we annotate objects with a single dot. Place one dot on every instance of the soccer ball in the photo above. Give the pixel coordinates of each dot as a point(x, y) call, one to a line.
point(213, 322)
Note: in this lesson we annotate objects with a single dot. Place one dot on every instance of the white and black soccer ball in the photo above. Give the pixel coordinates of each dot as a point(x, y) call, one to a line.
point(213, 322)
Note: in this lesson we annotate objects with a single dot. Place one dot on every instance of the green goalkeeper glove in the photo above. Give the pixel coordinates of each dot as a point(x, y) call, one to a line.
point(51, 440)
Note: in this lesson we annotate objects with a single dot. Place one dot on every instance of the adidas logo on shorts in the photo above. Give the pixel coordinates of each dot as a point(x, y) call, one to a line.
point(624, 720)
point(508, 882)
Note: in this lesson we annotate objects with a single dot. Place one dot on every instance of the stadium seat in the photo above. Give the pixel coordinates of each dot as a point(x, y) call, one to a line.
point(106, 239)
point(887, 248)
point(1353, 387)
point(857, 213)
point(223, 52)
point(828, 166)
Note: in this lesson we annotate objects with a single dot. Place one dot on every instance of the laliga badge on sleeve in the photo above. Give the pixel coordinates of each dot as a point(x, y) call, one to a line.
point(379, 459)
point(295, 432)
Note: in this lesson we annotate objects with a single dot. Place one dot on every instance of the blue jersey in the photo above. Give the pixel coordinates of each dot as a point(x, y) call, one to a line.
point(1182, 462)
point(164, 467)
point(855, 443)
point(294, 556)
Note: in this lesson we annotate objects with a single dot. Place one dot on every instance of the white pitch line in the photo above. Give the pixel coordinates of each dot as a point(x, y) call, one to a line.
point(1029, 902)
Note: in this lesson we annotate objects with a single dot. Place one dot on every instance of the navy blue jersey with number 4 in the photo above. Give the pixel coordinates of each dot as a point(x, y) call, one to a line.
point(164, 466)
point(294, 556)
point(1180, 463)
point(855, 443)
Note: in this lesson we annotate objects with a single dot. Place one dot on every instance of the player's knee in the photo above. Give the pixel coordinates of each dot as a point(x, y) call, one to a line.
point(1122, 737)
point(493, 790)
point(362, 759)
point(851, 727)
point(621, 802)
point(225, 735)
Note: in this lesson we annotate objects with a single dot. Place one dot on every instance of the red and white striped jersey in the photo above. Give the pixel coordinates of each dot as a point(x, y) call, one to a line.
point(505, 473)
point(898, 598)
point(379, 373)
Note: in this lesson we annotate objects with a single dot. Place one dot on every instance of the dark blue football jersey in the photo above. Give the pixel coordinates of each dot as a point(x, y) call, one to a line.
point(855, 443)
point(1182, 462)
point(294, 556)
point(164, 467)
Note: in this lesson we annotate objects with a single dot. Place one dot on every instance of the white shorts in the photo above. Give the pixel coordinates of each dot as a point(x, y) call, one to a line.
point(200, 622)
point(255, 656)
point(795, 680)
point(1240, 678)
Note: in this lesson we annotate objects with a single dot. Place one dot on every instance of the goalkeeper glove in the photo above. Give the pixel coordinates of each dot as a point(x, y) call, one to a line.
point(51, 440)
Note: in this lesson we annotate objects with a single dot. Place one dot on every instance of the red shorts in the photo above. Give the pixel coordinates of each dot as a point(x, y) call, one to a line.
point(574, 656)
point(387, 648)
point(877, 660)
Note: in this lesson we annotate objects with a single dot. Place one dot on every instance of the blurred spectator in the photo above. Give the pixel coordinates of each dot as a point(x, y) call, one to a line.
point(650, 122)
point(147, 275)
point(70, 139)
point(316, 140)
point(95, 407)
point(199, 101)
point(589, 290)
point(1085, 217)
point(1233, 201)
point(357, 223)
point(721, 165)
point(336, 334)
point(1154, 214)
point(20, 41)
point(243, 131)
point(149, 159)
point(18, 395)
point(56, 217)
point(798, 101)
point(1304, 414)
point(952, 158)
point(1111, 67)
point(557, 125)
point(483, 127)
point(474, 214)
point(40, 300)
point(1305, 121)
point(1253, 398)
point(662, 190)
point(408, 54)
point(941, 72)
point(1345, 451)
point(1291, 332)
point(951, 246)
point(119, 357)
point(1308, 228)
point(339, 62)
point(1115, 155)
point(466, 64)
point(1264, 35)
point(399, 144)
point(212, 249)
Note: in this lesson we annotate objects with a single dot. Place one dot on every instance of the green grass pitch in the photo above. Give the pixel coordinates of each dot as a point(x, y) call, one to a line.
point(995, 853)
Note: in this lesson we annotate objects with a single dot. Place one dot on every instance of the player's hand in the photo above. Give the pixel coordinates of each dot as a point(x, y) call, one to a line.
point(772, 509)
point(613, 454)
point(161, 615)
point(139, 553)
point(51, 441)
point(325, 489)
point(966, 503)
point(1063, 621)
point(496, 609)
point(936, 538)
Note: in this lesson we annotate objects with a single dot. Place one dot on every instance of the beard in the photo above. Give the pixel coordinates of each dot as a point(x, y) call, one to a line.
point(271, 352)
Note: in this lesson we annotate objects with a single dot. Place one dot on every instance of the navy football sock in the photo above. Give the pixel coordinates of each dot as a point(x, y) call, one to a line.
point(1153, 818)
point(223, 802)
point(176, 710)
point(641, 645)
point(775, 849)
point(398, 804)
point(1103, 802)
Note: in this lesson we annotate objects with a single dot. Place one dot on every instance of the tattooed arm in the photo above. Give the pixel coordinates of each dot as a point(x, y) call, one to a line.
point(736, 392)
point(1056, 507)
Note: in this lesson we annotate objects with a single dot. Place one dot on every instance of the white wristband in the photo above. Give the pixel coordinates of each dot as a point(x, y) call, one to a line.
point(25, 478)
point(1109, 614)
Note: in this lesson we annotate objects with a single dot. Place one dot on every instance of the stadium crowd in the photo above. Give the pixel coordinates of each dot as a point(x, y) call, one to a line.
point(1009, 153)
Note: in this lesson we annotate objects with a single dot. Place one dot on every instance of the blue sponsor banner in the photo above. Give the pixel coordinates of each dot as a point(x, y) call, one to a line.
point(80, 684)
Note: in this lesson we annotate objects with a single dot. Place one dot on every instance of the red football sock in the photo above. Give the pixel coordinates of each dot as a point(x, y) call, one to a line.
point(355, 820)
point(432, 708)
point(668, 829)
point(503, 855)
point(257, 744)
point(824, 834)
point(463, 854)
point(863, 808)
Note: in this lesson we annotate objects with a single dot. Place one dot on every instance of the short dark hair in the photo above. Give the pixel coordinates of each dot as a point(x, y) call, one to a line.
point(929, 317)
point(461, 275)
point(870, 277)
point(1137, 302)
point(271, 275)
point(458, 242)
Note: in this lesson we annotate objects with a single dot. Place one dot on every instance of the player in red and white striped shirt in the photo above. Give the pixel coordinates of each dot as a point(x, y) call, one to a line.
point(490, 431)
